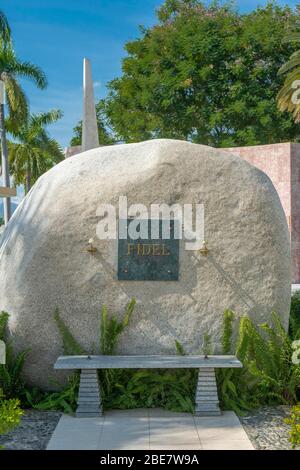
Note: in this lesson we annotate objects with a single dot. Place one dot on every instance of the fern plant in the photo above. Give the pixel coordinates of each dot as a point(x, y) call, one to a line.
point(123, 388)
point(207, 347)
point(3, 324)
point(268, 376)
point(70, 345)
point(111, 328)
point(232, 383)
point(227, 331)
point(294, 328)
point(11, 381)
point(64, 400)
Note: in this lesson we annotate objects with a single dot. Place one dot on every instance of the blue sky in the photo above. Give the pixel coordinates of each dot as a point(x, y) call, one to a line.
point(57, 34)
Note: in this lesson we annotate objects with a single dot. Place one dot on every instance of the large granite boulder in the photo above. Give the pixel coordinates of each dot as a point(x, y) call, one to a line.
point(44, 262)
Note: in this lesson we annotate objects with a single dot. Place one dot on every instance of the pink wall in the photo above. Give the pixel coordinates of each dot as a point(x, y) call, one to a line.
point(295, 203)
point(281, 162)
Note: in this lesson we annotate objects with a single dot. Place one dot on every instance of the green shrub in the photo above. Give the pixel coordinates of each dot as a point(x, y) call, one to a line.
point(11, 381)
point(10, 411)
point(3, 324)
point(294, 422)
point(268, 377)
point(10, 414)
point(294, 329)
point(64, 400)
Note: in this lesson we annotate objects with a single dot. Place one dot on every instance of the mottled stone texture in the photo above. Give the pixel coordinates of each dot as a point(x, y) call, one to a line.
point(44, 261)
point(281, 162)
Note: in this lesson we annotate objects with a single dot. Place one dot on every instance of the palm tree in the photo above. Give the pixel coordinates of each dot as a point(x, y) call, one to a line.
point(11, 69)
point(34, 152)
point(289, 95)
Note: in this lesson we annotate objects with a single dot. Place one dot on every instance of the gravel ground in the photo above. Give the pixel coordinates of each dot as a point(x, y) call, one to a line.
point(33, 433)
point(265, 428)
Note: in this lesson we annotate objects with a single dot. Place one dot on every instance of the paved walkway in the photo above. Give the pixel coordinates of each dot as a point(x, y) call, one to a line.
point(153, 429)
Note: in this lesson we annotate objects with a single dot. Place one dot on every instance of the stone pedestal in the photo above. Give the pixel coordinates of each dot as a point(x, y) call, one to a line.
point(89, 397)
point(207, 401)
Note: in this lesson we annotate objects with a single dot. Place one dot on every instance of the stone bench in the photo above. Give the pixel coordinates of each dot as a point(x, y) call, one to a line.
point(89, 398)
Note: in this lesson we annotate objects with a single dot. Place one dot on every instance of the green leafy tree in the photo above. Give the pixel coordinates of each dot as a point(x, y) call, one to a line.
point(207, 74)
point(106, 136)
point(288, 96)
point(11, 70)
point(35, 152)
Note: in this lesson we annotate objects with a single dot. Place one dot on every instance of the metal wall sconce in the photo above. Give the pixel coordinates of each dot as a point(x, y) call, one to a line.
point(204, 250)
point(91, 248)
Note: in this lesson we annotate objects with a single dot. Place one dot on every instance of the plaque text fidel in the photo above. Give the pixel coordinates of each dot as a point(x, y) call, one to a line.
point(149, 259)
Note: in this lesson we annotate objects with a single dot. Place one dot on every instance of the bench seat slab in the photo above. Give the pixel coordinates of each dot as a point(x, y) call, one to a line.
point(146, 362)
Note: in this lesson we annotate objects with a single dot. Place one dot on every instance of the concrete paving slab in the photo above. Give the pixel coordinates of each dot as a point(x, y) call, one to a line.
point(176, 440)
point(226, 445)
point(227, 418)
point(173, 430)
point(139, 412)
point(74, 433)
point(171, 421)
point(160, 413)
point(150, 429)
point(134, 439)
point(122, 425)
point(222, 433)
point(176, 447)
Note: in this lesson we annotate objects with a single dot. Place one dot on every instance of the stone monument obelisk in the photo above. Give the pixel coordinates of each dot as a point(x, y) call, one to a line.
point(90, 139)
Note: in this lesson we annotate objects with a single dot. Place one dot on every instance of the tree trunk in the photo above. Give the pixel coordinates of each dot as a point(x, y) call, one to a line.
point(5, 167)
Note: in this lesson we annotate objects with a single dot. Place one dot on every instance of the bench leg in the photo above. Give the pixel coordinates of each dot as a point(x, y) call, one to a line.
point(207, 401)
point(89, 397)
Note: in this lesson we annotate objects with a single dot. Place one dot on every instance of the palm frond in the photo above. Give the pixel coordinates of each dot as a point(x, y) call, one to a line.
point(16, 99)
point(30, 71)
point(35, 152)
point(4, 28)
point(291, 64)
point(44, 119)
point(292, 37)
